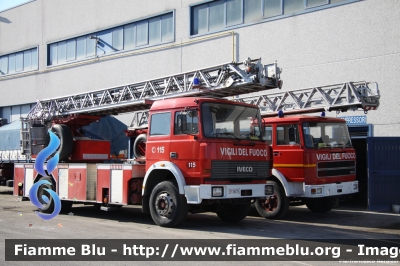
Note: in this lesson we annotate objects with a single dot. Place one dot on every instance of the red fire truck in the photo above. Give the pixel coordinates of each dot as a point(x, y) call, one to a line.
point(314, 162)
point(194, 153)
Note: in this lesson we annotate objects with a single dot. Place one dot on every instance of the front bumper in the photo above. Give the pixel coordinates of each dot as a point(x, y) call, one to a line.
point(195, 194)
point(327, 190)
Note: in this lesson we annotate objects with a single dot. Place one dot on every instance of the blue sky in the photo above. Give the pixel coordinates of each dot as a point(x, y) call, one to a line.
point(6, 4)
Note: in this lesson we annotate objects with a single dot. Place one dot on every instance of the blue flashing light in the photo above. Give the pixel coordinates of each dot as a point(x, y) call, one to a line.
point(323, 114)
point(280, 114)
point(196, 81)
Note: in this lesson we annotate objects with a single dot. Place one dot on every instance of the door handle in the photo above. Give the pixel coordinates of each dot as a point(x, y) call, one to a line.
point(277, 153)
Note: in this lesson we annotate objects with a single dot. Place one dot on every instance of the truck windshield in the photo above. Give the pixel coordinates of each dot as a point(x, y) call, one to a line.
point(221, 120)
point(326, 135)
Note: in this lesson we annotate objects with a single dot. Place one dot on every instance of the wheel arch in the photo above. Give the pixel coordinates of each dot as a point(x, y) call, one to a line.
point(157, 173)
point(277, 176)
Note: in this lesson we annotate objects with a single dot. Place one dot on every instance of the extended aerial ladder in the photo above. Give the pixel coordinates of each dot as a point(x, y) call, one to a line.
point(245, 82)
point(338, 97)
point(224, 80)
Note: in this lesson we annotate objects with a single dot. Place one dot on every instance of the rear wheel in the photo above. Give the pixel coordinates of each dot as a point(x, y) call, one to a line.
point(139, 146)
point(234, 212)
point(275, 206)
point(167, 207)
point(66, 140)
point(320, 205)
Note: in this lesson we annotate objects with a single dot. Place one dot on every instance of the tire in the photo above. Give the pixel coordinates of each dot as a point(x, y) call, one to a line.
point(66, 206)
point(66, 140)
point(273, 207)
point(321, 205)
point(167, 207)
point(139, 146)
point(47, 207)
point(235, 212)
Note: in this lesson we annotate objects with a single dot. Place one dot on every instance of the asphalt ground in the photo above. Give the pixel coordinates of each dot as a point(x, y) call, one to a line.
point(350, 220)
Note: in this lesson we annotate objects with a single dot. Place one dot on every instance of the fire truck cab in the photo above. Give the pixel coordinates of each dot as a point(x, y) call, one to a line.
point(314, 163)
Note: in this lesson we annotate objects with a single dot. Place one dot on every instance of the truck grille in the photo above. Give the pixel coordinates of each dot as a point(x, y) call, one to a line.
point(337, 168)
point(240, 169)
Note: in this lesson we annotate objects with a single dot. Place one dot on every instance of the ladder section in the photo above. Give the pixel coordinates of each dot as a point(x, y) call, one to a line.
point(140, 120)
point(338, 97)
point(25, 137)
point(224, 80)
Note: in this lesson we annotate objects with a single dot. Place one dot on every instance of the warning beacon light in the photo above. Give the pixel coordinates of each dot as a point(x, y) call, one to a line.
point(280, 114)
point(196, 82)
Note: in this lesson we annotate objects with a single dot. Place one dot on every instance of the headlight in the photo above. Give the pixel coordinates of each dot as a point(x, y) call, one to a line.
point(316, 191)
point(217, 191)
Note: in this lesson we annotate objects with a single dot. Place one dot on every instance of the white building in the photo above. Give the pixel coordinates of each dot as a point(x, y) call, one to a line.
point(48, 47)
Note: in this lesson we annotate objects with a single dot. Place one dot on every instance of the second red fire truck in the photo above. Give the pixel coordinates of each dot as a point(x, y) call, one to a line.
point(314, 162)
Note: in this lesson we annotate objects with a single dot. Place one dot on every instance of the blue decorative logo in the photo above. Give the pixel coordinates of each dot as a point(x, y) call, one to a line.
point(41, 184)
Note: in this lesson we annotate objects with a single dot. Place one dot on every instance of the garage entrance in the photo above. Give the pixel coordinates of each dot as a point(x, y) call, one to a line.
point(358, 135)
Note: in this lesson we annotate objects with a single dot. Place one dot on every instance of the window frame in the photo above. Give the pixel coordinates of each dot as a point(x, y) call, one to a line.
point(176, 132)
point(89, 54)
point(151, 124)
point(20, 56)
point(263, 19)
point(284, 128)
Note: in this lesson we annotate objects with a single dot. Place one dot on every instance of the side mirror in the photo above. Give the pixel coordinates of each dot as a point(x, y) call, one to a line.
point(292, 134)
point(182, 122)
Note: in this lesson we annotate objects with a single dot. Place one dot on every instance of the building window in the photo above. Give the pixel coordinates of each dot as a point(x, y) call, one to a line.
point(19, 62)
point(71, 50)
point(234, 12)
point(313, 3)
point(252, 10)
point(221, 14)
point(272, 8)
point(139, 34)
point(293, 6)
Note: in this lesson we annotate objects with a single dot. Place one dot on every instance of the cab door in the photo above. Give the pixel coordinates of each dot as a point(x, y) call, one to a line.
point(287, 150)
point(184, 147)
point(159, 136)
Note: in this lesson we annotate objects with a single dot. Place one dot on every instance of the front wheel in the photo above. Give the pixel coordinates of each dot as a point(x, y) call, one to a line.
point(167, 207)
point(234, 212)
point(275, 206)
point(44, 196)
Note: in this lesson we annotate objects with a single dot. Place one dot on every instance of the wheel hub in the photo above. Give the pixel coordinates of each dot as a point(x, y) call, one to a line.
point(270, 203)
point(164, 204)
